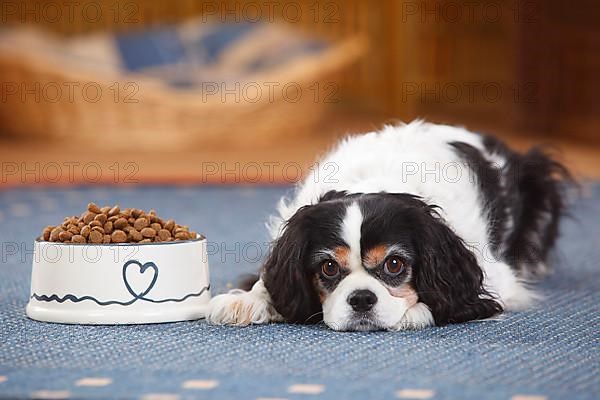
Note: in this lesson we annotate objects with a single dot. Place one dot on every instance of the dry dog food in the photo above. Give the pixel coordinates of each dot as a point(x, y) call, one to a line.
point(113, 225)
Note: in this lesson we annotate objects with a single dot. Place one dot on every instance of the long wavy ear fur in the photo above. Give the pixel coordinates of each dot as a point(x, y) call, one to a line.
point(448, 278)
point(286, 275)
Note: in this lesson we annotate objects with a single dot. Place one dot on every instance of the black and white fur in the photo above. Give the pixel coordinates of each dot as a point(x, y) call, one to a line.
point(420, 225)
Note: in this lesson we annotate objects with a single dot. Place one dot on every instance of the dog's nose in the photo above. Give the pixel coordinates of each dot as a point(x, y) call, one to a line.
point(362, 300)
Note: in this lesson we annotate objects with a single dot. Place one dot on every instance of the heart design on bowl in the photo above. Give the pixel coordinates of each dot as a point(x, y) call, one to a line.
point(137, 281)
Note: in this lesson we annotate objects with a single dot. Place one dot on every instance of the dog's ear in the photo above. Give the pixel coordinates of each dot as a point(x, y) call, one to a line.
point(287, 276)
point(448, 278)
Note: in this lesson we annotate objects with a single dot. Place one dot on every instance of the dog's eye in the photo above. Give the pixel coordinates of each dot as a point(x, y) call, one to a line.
point(330, 269)
point(393, 266)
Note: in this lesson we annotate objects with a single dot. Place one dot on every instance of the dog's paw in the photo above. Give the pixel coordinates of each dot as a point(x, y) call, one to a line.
point(417, 317)
point(241, 308)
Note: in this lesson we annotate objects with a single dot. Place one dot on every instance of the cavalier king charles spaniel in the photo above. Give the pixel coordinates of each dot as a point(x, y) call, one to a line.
point(419, 225)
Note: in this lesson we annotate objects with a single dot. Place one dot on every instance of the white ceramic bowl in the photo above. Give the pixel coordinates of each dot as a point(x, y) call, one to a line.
point(119, 283)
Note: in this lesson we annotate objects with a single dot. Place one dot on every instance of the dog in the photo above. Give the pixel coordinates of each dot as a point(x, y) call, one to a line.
point(419, 225)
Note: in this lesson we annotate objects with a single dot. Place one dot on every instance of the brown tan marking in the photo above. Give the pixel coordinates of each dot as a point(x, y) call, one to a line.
point(406, 292)
point(375, 256)
point(319, 288)
point(342, 256)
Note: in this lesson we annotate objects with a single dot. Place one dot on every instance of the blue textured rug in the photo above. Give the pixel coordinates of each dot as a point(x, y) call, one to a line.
point(552, 351)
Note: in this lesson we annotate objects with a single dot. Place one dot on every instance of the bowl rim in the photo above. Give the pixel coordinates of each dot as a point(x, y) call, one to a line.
point(199, 238)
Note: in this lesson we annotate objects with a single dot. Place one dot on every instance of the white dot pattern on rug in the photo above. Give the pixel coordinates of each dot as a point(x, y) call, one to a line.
point(3, 378)
point(200, 384)
point(48, 204)
point(73, 196)
point(528, 397)
point(415, 394)
point(93, 382)
point(160, 396)
point(304, 388)
point(51, 394)
point(20, 210)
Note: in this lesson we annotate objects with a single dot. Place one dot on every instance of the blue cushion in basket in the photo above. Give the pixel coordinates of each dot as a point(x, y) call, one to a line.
point(150, 48)
point(186, 57)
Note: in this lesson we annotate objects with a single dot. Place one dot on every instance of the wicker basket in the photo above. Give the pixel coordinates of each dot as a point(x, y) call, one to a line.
point(100, 104)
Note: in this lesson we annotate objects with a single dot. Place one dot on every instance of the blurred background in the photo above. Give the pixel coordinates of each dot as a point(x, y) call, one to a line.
point(253, 91)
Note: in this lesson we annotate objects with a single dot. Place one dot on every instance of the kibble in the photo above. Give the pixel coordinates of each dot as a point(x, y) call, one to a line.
point(46, 233)
point(182, 235)
point(94, 223)
point(101, 218)
point(78, 239)
point(120, 223)
point(114, 211)
point(118, 236)
point(135, 235)
point(96, 237)
point(65, 236)
point(164, 235)
point(112, 225)
point(148, 233)
point(141, 223)
point(55, 234)
point(169, 225)
point(94, 208)
point(88, 217)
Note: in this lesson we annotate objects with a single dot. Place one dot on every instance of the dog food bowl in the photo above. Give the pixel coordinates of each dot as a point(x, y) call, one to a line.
point(125, 283)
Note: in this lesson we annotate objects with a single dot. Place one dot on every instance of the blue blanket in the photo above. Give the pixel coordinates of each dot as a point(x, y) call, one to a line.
point(551, 351)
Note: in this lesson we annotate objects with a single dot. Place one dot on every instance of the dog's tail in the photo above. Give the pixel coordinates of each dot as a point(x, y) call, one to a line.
point(542, 187)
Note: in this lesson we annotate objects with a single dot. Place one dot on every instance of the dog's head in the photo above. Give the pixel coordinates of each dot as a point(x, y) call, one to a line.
point(361, 261)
